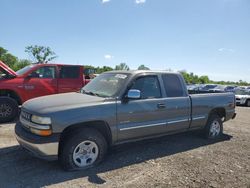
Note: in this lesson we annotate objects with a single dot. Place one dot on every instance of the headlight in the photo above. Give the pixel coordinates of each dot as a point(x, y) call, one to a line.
point(41, 120)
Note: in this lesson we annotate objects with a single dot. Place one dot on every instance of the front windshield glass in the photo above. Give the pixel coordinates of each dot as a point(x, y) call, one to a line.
point(106, 85)
point(24, 70)
point(242, 92)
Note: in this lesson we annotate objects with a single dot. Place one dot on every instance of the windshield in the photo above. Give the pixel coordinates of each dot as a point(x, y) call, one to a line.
point(242, 92)
point(209, 86)
point(106, 85)
point(24, 70)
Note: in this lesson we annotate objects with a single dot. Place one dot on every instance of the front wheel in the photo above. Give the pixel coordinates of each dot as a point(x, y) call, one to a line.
point(8, 109)
point(248, 103)
point(82, 149)
point(214, 127)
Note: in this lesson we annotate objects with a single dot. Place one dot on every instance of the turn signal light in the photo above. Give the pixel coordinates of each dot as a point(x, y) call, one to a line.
point(41, 132)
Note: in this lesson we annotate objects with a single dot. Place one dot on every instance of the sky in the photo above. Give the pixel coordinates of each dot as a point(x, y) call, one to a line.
point(206, 37)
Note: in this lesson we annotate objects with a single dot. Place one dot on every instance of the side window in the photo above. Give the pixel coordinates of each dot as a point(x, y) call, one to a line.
point(149, 87)
point(71, 72)
point(44, 72)
point(172, 85)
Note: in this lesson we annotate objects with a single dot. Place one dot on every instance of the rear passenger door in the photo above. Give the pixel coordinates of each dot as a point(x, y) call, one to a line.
point(177, 102)
point(145, 116)
point(69, 79)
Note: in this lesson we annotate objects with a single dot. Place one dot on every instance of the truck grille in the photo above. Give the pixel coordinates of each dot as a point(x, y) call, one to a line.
point(25, 115)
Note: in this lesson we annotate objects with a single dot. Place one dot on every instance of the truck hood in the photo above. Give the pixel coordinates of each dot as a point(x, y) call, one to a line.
point(60, 102)
point(7, 69)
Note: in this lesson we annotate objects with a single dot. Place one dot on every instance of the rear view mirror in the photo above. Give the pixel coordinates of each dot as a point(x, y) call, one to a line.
point(134, 94)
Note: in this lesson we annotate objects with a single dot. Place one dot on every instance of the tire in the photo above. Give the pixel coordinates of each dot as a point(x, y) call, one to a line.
point(94, 149)
point(8, 109)
point(248, 103)
point(214, 127)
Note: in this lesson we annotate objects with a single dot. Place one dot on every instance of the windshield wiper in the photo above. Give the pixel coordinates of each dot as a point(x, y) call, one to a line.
point(89, 93)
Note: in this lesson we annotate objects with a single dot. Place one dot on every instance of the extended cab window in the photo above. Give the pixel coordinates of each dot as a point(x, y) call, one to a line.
point(44, 72)
point(149, 87)
point(173, 85)
point(71, 72)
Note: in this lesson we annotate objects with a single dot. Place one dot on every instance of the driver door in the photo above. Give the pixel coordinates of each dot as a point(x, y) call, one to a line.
point(41, 82)
point(145, 116)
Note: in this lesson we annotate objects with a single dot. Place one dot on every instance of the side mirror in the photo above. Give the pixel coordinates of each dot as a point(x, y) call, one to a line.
point(134, 94)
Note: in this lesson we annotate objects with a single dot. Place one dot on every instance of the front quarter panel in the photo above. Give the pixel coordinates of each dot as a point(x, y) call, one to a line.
point(105, 111)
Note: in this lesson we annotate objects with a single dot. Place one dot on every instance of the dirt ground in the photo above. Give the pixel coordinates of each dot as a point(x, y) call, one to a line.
point(183, 160)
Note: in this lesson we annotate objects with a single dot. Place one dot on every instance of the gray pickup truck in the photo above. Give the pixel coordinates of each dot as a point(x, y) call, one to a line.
point(117, 107)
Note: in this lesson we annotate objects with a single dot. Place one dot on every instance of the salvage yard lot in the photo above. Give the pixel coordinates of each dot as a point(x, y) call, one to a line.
point(183, 160)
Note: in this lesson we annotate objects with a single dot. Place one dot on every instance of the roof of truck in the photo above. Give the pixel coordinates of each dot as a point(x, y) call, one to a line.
point(140, 71)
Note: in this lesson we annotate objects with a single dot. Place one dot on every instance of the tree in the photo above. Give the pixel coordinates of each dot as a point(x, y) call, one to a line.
point(21, 63)
point(7, 58)
point(143, 67)
point(41, 54)
point(122, 66)
point(204, 79)
point(100, 70)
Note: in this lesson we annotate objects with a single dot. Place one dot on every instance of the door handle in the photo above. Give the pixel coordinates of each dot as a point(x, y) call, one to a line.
point(161, 105)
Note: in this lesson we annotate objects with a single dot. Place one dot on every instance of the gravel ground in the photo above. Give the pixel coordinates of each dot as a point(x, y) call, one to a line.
point(183, 160)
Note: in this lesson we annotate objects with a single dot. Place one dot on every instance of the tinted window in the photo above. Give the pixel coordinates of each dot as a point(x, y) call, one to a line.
point(172, 85)
point(69, 72)
point(149, 87)
point(44, 72)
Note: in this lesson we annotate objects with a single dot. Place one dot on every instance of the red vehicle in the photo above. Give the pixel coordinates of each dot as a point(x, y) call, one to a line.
point(34, 81)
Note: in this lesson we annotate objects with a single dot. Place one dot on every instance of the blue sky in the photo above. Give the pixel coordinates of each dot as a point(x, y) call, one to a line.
point(207, 37)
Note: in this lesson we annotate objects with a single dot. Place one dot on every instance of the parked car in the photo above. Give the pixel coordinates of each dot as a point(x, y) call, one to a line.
point(34, 81)
point(242, 97)
point(222, 88)
point(207, 87)
point(194, 88)
point(117, 107)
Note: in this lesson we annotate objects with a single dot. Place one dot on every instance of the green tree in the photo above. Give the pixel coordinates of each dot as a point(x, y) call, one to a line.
point(98, 70)
point(7, 58)
point(143, 67)
point(122, 66)
point(21, 63)
point(40, 54)
point(204, 79)
point(103, 69)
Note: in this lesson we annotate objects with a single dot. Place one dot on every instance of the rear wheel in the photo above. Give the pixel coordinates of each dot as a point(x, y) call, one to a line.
point(214, 127)
point(8, 109)
point(82, 149)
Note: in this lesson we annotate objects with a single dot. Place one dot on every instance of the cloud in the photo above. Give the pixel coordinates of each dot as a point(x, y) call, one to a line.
point(105, 1)
point(108, 56)
point(226, 50)
point(140, 1)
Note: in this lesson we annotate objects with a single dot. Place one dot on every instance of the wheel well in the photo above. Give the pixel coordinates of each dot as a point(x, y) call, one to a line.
point(100, 126)
point(219, 111)
point(11, 94)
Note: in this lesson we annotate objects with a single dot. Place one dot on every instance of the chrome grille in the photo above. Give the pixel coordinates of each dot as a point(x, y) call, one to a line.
point(25, 115)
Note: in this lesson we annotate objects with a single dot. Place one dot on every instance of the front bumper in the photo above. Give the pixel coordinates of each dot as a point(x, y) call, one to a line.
point(241, 101)
point(41, 147)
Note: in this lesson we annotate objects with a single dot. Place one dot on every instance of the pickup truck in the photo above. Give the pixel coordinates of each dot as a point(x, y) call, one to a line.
point(34, 81)
point(114, 108)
